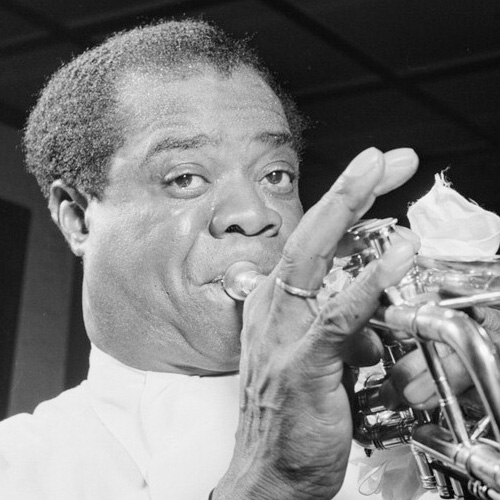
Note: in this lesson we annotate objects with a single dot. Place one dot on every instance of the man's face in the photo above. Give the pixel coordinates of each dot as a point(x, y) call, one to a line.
point(206, 177)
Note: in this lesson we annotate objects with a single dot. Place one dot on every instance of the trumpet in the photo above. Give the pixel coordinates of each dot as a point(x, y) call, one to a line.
point(455, 453)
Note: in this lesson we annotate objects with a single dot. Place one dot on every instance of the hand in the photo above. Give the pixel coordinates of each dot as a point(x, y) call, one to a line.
point(411, 384)
point(294, 433)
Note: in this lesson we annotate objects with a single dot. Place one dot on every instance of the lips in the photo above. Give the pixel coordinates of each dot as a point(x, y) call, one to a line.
point(219, 278)
point(213, 271)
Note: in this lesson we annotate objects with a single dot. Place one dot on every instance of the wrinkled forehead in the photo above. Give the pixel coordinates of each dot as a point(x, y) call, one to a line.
point(156, 97)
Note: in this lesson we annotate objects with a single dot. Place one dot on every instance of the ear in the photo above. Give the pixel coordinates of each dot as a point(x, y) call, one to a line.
point(67, 208)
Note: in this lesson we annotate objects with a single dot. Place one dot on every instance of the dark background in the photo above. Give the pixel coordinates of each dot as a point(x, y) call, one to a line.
point(14, 224)
point(388, 73)
point(384, 73)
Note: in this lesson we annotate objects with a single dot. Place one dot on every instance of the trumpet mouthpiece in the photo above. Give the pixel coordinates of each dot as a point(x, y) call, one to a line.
point(240, 279)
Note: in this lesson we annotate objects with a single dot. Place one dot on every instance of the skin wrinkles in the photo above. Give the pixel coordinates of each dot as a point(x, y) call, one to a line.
point(171, 143)
point(172, 237)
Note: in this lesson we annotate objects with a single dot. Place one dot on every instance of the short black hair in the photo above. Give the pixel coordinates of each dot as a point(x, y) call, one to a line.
point(72, 131)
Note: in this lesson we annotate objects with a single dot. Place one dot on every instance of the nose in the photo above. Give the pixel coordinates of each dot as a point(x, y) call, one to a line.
point(242, 208)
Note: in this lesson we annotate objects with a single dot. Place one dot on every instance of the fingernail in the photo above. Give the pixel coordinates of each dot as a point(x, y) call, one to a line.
point(368, 160)
point(401, 158)
point(400, 165)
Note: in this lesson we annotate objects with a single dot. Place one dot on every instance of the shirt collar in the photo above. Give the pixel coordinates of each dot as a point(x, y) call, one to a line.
point(149, 411)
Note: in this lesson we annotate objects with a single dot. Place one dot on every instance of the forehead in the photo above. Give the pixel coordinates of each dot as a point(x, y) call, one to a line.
point(205, 101)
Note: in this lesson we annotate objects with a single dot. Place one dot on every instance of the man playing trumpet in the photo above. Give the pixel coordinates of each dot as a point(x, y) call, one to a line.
point(166, 155)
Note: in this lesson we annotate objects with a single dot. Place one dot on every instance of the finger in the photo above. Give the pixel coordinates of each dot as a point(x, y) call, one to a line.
point(408, 235)
point(348, 311)
point(309, 251)
point(411, 384)
point(310, 248)
point(400, 165)
point(363, 348)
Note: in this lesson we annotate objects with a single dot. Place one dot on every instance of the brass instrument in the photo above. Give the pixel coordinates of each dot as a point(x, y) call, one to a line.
point(458, 456)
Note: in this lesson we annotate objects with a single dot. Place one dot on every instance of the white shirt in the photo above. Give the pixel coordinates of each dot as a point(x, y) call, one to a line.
point(129, 434)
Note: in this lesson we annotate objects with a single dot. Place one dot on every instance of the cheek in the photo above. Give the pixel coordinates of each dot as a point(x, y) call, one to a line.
point(120, 236)
point(130, 240)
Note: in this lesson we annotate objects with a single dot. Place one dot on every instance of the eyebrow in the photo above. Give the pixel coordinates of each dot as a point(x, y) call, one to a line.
point(276, 138)
point(171, 143)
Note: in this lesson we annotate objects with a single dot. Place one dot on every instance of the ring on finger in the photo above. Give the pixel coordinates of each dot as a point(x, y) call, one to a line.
point(296, 291)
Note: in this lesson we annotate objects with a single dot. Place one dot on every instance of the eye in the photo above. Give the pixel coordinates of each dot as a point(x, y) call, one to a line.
point(187, 185)
point(280, 179)
point(187, 181)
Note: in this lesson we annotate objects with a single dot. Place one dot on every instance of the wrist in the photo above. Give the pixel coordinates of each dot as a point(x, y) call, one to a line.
point(265, 468)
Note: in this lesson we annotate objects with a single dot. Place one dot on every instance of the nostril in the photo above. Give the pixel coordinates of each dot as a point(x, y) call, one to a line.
point(234, 229)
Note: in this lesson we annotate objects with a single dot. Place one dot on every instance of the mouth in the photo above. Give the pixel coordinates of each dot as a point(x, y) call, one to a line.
point(216, 286)
point(240, 278)
point(218, 282)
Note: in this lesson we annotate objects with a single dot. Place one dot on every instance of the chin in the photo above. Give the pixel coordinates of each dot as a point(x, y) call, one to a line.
point(228, 353)
point(215, 331)
point(225, 351)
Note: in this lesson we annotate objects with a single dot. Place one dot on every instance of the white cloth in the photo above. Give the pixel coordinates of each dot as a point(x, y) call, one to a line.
point(127, 434)
point(451, 226)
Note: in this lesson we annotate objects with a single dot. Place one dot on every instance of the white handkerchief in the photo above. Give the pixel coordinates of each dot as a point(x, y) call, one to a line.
point(391, 474)
point(449, 225)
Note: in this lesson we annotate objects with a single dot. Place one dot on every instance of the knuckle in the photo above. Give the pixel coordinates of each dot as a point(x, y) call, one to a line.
point(344, 313)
